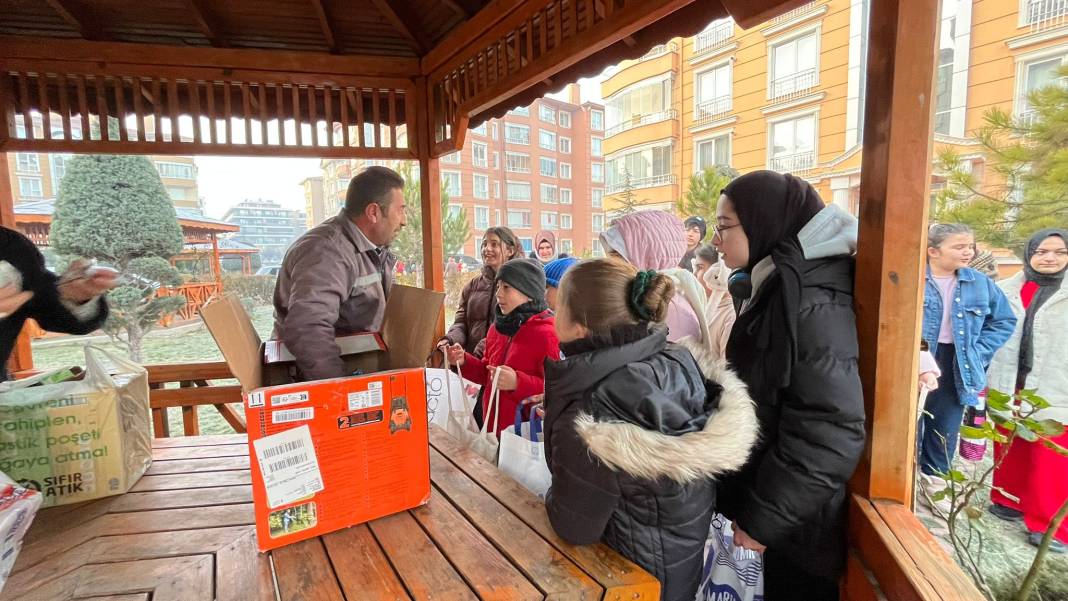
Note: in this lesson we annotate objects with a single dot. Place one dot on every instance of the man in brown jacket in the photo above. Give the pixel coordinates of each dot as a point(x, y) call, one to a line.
point(336, 277)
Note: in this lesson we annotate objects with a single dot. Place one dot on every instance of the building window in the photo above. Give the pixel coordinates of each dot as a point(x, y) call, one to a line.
point(516, 162)
point(644, 102)
point(547, 167)
point(518, 191)
point(493, 130)
point(521, 111)
point(566, 247)
point(59, 168)
point(645, 167)
point(27, 162)
point(596, 120)
point(478, 243)
point(565, 119)
point(527, 244)
point(548, 194)
point(30, 187)
point(479, 155)
point(453, 158)
point(497, 216)
point(597, 172)
point(1035, 75)
point(451, 179)
point(793, 144)
point(546, 114)
point(496, 160)
point(794, 65)
point(565, 221)
point(595, 147)
point(175, 170)
point(565, 196)
point(714, 152)
point(548, 220)
point(455, 211)
point(565, 145)
point(497, 192)
point(598, 224)
point(480, 186)
point(713, 93)
point(597, 197)
point(546, 139)
point(518, 219)
point(482, 215)
point(565, 170)
point(481, 129)
point(516, 134)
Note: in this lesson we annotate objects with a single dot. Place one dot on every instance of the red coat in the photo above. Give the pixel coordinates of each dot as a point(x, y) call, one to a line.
point(525, 353)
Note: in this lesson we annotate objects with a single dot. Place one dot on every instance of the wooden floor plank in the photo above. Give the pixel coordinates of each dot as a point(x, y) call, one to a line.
point(618, 575)
point(53, 522)
point(426, 573)
point(113, 579)
point(488, 572)
point(362, 568)
point(195, 583)
point(131, 597)
point(304, 573)
point(199, 441)
point(223, 450)
point(539, 561)
point(242, 573)
point(186, 481)
point(189, 466)
point(194, 497)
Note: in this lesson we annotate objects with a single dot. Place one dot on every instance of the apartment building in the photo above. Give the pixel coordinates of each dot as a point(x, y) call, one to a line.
point(314, 203)
point(35, 176)
point(267, 226)
point(788, 95)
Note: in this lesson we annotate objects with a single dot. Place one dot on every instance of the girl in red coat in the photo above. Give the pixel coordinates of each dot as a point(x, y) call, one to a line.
point(522, 336)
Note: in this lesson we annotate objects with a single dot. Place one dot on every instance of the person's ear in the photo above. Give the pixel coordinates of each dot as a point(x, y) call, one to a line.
point(373, 212)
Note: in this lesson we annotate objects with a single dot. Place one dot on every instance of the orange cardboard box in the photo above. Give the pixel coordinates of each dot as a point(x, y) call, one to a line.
point(329, 454)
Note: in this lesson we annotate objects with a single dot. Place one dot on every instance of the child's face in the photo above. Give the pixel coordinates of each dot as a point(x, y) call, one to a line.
point(550, 297)
point(509, 298)
point(955, 252)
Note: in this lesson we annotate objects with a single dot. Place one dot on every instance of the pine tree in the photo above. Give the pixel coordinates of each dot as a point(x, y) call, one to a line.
point(114, 209)
point(1029, 157)
point(702, 194)
point(409, 243)
point(628, 201)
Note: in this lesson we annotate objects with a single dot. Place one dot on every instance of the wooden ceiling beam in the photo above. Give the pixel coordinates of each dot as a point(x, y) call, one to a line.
point(402, 19)
point(455, 7)
point(207, 23)
point(78, 18)
point(324, 24)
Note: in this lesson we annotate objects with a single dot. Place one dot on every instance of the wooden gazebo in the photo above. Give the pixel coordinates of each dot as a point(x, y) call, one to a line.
point(325, 78)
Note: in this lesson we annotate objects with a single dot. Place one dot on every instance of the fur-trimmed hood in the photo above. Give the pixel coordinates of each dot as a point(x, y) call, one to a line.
point(701, 424)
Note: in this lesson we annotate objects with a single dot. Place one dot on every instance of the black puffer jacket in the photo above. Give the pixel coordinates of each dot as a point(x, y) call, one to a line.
point(635, 430)
point(791, 494)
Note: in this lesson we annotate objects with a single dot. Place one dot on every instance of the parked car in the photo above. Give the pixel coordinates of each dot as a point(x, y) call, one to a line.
point(271, 270)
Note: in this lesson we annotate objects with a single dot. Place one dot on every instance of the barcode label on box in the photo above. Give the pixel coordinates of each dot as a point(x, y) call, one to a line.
point(286, 416)
point(289, 398)
point(255, 399)
point(365, 399)
point(288, 465)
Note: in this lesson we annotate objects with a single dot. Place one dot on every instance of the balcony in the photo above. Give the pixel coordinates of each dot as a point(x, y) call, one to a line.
point(640, 120)
point(794, 163)
point(642, 182)
point(793, 14)
point(785, 88)
point(709, 110)
point(1046, 14)
point(659, 50)
point(716, 36)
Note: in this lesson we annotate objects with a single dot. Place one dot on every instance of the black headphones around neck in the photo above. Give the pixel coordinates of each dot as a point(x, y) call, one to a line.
point(740, 285)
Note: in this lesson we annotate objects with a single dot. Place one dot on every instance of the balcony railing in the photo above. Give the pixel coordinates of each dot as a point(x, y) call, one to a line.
point(716, 36)
point(517, 140)
point(659, 50)
point(793, 14)
point(710, 109)
point(1046, 14)
point(640, 120)
point(792, 163)
point(641, 182)
point(793, 84)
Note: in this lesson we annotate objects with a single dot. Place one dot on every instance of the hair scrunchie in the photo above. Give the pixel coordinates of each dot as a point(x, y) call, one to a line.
point(638, 287)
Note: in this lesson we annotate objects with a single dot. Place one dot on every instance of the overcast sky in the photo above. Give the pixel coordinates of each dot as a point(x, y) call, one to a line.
point(226, 181)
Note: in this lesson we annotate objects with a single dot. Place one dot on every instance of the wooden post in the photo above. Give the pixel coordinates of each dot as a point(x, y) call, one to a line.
point(22, 355)
point(894, 189)
point(216, 264)
point(430, 195)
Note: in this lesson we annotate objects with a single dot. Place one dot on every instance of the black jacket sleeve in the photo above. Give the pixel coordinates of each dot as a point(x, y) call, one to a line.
point(820, 433)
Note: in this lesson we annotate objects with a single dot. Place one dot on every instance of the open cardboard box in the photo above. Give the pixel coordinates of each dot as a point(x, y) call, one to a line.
point(329, 454)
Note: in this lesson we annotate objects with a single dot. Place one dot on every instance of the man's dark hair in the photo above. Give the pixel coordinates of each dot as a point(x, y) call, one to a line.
point(371, 186)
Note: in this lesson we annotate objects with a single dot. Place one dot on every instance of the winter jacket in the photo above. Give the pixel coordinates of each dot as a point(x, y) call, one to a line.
point(791, 495)
point(982, 322)
point(333, 281)
point(475, 313)
point(46, 307)
point(526, 353)
point(719, 308)
point(1048, 376)
point(636, 429)
point(657, 240)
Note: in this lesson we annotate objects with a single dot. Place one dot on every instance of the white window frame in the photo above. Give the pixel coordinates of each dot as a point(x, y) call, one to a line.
point(566, 222)
point(1024, 15)
point(600, 114)
point(1019, 99)
point(815, 29)
point(479, 225)
point(597, 203)
point(24, 180)
point(594, 219)
point(541, 145)
point(530, 191)
point(453, 158)
point(475, 177)
point(497, 188)
point(566, 246)
point(698, 101)
point(560, 167)
point(563, 141)
point(455, 209)
point(520, 126)
point(555, 194)
point(33, 166)
point(597, 181)
point(524, 224)
point(542, 108)
point(769, 137)
point(191, 168)
point(729, 134)
point(560, 193)
point(600, 143)
point(459, 180)
point(484, 163)
point(522, 111)
point(530, 165)
point(555, 220)
point(564, 119)
point(556, 167)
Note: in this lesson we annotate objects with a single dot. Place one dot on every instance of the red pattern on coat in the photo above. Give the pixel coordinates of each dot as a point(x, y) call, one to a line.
point(525, 353)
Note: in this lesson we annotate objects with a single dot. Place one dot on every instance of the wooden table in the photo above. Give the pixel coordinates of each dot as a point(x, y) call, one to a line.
point(184, 533)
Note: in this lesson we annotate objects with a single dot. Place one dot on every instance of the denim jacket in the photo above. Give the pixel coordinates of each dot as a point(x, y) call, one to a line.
point(982, 322)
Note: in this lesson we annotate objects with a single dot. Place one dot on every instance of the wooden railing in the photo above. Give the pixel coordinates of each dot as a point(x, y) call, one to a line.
point(193, 392)
point(196, 295)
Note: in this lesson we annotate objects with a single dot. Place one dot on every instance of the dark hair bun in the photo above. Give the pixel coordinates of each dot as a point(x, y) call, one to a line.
point(658, 296)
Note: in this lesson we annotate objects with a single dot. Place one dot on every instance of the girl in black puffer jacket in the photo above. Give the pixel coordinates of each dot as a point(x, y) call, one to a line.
point(636, 428)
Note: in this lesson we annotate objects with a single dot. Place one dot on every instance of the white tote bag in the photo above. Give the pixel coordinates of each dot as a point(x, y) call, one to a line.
point(523, 453)
point(459, 422)
point(730, 572)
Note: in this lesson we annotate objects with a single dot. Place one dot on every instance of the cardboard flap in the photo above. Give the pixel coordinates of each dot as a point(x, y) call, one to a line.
point(409, 325)
point(231, 326)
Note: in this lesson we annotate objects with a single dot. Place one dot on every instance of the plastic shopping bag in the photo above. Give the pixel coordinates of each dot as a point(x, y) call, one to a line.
point(460, 422)
point(18, 506)
point(730, 573)
point(485, 443)
point(446, 391)
point(523, 453)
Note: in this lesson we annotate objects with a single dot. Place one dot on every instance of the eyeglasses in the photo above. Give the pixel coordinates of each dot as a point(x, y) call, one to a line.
point(718, 230)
